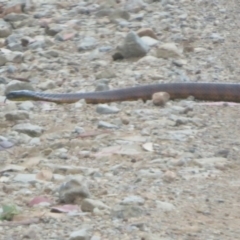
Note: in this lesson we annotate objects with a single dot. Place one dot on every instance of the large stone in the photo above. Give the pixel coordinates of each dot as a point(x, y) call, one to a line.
point(29, 129)
point(5, 29)
point(133, 46)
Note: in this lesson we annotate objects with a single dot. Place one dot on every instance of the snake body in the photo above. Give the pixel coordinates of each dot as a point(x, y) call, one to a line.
point(201, 91)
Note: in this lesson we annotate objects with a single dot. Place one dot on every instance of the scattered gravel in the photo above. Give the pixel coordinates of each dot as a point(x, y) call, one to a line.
point(158, 170)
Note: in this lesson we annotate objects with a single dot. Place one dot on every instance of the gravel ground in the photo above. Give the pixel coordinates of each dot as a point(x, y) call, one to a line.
point(127, 170)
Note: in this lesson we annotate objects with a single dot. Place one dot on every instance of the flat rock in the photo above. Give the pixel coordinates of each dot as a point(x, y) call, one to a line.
point(16, 17)
point(25, 178)
point(165, 206)
point(29, 129)
point(105, 109)
point(103, 124)
point(82, 234)
point(133, 200)
point(126, 211)
point(17, 115)
point(213, 161)
point(87, 43)
point(88, 205)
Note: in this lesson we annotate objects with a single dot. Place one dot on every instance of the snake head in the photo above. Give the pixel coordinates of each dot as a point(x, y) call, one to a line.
point(21, 95)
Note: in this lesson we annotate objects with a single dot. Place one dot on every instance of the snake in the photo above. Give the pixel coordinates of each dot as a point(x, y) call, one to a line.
point(229, 92)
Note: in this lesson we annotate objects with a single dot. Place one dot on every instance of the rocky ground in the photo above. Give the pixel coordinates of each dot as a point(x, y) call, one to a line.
point(128, 170)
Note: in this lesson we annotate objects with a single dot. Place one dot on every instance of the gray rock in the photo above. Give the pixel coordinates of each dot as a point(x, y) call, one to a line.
point(208, 162)
point(25, 178)
point(149, 41)
point(15, 17)
point(151, 173)
point(35, 141)
point(14, 38)
point(17, 115)
point(165, 206)
point(105, 49)
point(53, 29)
point(102, 87)
point(24, 23)
point(88, 205)
point(88, 43)
point(121, 22)
point(3, 80)
point(49, 84)
point(3, 59)
point(179, 135)
point(37, 44)
point(133, 46)
point(107, 73)
point(105, 109)
point(5, 29)
point(126, 211)
point(65, 35)
point(179, 109)
point(134, 5)
point(82, 234)
point(168, 50)
point(119, 14)
point(43, 14)
point(15, 46)
point(71, 190)
point(15, 57)
point(103, 124)
point(17, 85)
point(29, 129)
point(221, 153)
point(26, 106)
point(11, 69)
point(216, 38)
point(94, 55)
point(104, 12)
point(51, 53)
point(133, 200)
point(95, 238)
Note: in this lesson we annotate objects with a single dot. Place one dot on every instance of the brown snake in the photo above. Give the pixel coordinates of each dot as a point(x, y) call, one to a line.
point(201, 91)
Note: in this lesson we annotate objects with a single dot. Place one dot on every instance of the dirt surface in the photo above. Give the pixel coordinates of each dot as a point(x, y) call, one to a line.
point(141, 171)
